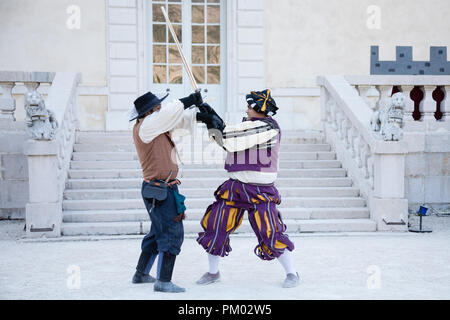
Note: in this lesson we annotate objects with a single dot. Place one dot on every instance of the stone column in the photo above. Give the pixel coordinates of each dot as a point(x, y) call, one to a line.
point(389, 208)
point(44, 209)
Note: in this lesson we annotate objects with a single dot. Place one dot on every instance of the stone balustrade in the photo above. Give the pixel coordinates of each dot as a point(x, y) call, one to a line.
point(427, 98)
point(376, 166)
point(47, 160)
point(10, 79)
point(426, 131)
point(14, 191)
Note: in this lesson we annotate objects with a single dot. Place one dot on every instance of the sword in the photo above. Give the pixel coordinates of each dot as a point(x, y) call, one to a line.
point(183, 58)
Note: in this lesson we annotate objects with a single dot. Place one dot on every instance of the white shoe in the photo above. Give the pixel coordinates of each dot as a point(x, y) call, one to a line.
point(291, 281)
point(209, 278)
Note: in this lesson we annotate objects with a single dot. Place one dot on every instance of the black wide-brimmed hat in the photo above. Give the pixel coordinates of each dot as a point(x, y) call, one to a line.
point(145, 103)
point(261, 101)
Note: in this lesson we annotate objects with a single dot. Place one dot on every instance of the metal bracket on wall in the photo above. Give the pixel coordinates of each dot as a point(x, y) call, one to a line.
point(401, 222)
point(42, 229)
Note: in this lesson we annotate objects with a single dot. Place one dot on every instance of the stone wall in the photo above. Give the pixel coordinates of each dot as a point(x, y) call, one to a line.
point(49, 35)
point(308, 38)
point(427, 173)
point(13, 170)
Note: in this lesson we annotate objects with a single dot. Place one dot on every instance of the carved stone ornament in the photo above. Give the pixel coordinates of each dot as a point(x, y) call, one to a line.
point(41, 122)
point(388, 121)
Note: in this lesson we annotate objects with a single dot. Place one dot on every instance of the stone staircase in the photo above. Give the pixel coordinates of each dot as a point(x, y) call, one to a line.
point(102, 195)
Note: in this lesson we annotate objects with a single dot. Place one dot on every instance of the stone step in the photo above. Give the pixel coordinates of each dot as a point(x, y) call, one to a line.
point(116, 147)
point(192, 203)
point(127, 183)
point(193, 227)
point(91, 194)
point(104, 156)
point(292, 164)
point(197, 214)
point(196, 173)
point(124, 137)
point(132, 156)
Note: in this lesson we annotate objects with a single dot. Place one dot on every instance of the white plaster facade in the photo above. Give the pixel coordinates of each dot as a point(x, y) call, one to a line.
point(127, 55)
point(278, 44)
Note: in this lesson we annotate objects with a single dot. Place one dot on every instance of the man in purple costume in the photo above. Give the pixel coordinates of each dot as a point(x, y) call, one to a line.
point(252, 164)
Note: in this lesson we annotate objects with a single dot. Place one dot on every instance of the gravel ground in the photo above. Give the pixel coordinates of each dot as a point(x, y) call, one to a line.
point(331, 266)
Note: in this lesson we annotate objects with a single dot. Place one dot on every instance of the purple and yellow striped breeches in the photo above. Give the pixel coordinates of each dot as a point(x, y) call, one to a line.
point(225, 215)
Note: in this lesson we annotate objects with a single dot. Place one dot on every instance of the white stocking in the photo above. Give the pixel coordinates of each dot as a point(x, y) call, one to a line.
point(213, 263)
point(286, 261)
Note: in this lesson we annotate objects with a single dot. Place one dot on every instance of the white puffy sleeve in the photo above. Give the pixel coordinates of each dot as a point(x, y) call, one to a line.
point(247, 134)
point(171, 116)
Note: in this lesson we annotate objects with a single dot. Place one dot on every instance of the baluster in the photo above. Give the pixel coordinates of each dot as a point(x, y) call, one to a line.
point(366, 155)
point(31, 86)
point(373, 95)
point(445, 104)
point(332, 115)
point(340, 122)
point(336, 122)
point(353, 141)
point(385, 94)
point(347, 125)
point(370, 169)
point(428, 103)
point(409, 103)
point(408, 119)
point(328, 111)
point(344, 131)
point(363, 90)
point(7, 101)
point(361, 146)
point(324, 100)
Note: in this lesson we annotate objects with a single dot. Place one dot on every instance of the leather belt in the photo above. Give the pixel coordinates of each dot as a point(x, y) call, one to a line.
point(159, 182)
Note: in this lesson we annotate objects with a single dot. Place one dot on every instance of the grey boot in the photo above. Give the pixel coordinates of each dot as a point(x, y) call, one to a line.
point(167, 287)
point(140, 277)
point(164, 284)
point(209, 278)
point(291, 281)
point(143, 267)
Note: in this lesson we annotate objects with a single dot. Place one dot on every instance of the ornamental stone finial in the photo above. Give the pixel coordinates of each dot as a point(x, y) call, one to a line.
point(388, 121)
point(41, 122)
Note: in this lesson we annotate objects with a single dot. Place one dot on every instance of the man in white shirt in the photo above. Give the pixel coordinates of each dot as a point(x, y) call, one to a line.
point(152, 135)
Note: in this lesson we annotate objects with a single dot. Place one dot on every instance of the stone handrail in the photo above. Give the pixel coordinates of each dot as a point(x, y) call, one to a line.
point(48, 160)
point(376, 166)
point(379, 87)
point(9, 79)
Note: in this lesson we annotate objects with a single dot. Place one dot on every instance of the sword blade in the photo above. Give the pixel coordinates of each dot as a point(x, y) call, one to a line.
point(183, 58)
